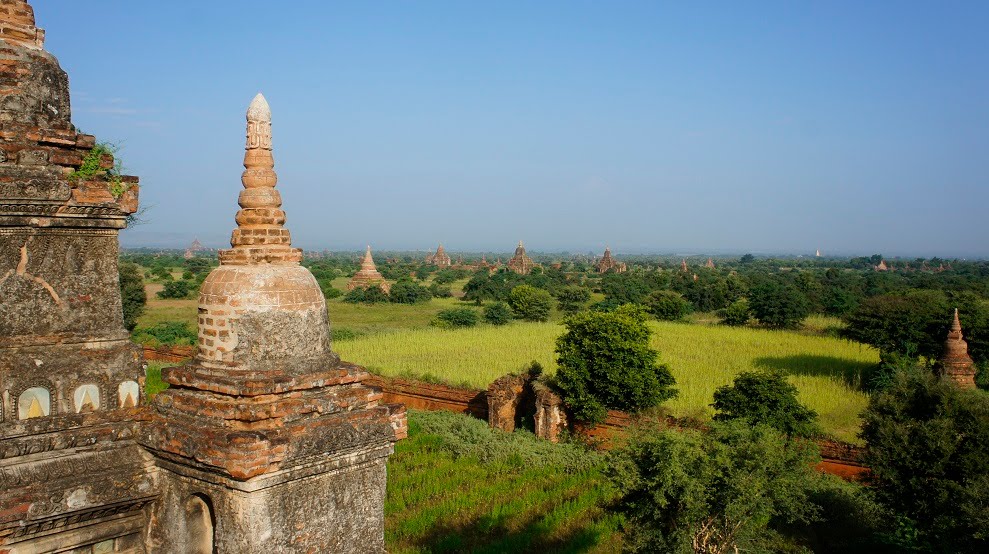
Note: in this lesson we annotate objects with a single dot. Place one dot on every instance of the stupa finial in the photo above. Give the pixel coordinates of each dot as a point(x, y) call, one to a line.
point(260, 236)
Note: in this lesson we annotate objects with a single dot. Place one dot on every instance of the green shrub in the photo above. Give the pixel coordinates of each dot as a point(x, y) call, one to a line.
point(498, 313)
point(177, 289)
point(153, 383)
point(778, 305)
point(329, 291)
point(605, 362)
point(572, 299)
point(927, 450)
point(765, 398)
point(369, 295)
point(132, 295)
point(167, 333)
point(712, 492)
point(736, 314)
point(407, 291)
point(666, 305)
point(529, 303)
point(457, 317)
point(440, 291)
point(467, 436)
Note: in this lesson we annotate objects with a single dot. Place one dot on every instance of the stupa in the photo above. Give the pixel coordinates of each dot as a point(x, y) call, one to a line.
point(440, 258)
point(368, 276)
point(521, 263)
point(607, 263)
point(267, 442)
point(709, 264)
point(955, 364)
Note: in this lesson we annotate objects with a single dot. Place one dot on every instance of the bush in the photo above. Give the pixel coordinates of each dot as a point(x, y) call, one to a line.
point(736, 314)
point(440, 291)
point(530, 303)
point(927, 442)
point(458, 317)
point(765, 398)
point(168, 333)
point(369, 295)
point(329, 291)
point(177, 289)
point(572, 299)
point(605, 362)
point(715, 492)
point(498, 313)
point(132, 295)
point(408, 292)
point(666, 305)
point(778, 305)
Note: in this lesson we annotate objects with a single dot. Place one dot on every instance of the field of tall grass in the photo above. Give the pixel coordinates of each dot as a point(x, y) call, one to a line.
point(455, 485)
point(826, 370)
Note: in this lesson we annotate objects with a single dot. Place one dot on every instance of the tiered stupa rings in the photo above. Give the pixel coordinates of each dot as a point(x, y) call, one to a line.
point(260, 307)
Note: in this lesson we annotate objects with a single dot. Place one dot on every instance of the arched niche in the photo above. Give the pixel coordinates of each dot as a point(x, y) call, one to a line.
point(86, 398)
point(199, 524)
point(34, 402)
point(128, 394)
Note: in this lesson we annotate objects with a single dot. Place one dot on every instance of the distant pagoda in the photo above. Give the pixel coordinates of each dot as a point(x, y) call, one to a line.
point(368, 276)
point(440, 258)
point(709, 264)
point(955, 364)
point(683, 265)
point(607, 263)
point(521, 263)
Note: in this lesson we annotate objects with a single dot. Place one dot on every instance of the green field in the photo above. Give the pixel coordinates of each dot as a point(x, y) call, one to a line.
point(701, 357)
point(457, 486)
point(396, 340)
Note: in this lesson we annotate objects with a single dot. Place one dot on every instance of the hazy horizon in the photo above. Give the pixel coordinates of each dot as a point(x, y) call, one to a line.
point(724, 128)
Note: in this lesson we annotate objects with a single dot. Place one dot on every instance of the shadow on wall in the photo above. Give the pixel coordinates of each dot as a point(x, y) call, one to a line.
point(849, 371)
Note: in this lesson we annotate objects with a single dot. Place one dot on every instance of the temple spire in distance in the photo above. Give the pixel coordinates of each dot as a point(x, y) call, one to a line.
point(260, 236)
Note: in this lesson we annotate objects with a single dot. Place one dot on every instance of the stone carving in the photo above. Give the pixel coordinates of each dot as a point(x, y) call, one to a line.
point(62, 340)
point(955, 364)
point(368, 275)
point(86, 398)
point(521, 263)
point(34, 402)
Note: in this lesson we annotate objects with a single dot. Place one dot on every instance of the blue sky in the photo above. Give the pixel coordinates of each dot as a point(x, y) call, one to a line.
point(708, 127)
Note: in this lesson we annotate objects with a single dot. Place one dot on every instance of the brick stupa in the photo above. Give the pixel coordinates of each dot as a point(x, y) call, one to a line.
point(368, 276)
point(521, 263)
point(955, 364)
point(267, 428)
point(607, 263)
point(440, 258)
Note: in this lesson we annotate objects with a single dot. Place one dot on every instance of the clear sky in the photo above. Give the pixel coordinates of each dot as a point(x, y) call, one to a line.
point(853, 127)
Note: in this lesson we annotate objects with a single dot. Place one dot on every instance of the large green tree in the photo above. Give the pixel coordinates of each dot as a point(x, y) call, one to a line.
point(132, 294)
point(927, 450)
point(777, 304)
point(605, 361)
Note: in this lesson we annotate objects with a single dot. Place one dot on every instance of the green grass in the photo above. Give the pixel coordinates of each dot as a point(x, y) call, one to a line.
point(457, 486)
point(824, 369)
point(152, 378)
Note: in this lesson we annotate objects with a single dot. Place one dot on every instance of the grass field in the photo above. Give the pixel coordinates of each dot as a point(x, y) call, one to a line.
point(701, 357)
point(515, 495)
point(396, 340)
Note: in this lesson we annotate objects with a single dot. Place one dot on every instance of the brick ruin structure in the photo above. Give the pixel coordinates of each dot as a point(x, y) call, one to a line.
point(520, 263)
point(72, 477)
point(709, 264)
point(607, 263)
point(440, 258)
point(267, 439)
point(955, 364)
point(368, 276)
point(683, 266)
point(266, 442)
